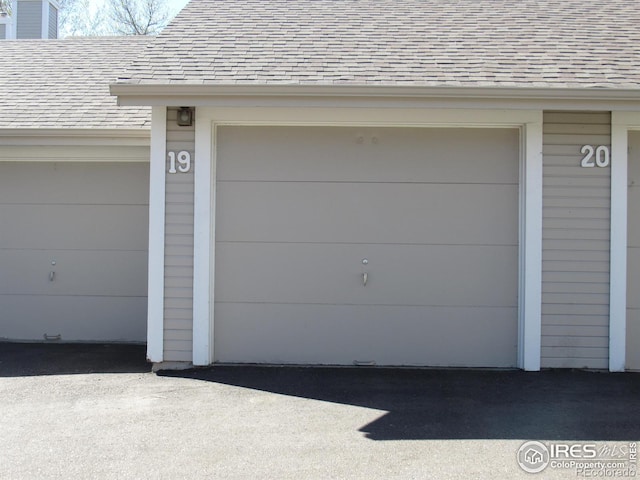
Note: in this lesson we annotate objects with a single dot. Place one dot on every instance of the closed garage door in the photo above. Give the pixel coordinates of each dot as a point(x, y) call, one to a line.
point(633, 253)
point(390, 246)
point(73, 251)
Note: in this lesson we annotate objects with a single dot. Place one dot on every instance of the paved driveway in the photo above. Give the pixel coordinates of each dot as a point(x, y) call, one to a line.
point(98, 412)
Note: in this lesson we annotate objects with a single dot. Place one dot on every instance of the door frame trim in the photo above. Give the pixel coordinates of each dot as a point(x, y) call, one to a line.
point(157, 204)
point(529, 122)
point(621, 124)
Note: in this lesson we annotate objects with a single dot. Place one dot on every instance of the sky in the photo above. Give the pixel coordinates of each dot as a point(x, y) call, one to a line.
point(83, 24)
point(176, 5)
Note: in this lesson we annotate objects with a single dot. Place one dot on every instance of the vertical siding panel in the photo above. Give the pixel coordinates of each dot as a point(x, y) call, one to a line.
point(29, 20)
point(53, 22)
point(178, 277)
point(576, 234)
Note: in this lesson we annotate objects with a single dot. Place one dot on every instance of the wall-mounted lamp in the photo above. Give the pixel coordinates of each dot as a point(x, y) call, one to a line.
point(185, 117)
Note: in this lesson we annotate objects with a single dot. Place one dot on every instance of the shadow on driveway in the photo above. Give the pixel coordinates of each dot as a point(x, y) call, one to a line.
point(460, 404)
point(31, 359)
point(420, 404)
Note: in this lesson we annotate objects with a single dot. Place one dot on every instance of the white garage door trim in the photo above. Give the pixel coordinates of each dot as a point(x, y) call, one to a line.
point(157, 195)
point(621, 124)
point(77, 138)
point(530, 261)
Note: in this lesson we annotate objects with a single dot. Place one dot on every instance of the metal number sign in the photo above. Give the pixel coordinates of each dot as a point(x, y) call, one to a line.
point(180, 162)
point(595, 156)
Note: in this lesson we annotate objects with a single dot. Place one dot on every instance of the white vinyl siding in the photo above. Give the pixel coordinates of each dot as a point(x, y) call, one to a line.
point(29, 20)
point(633, 252)
point(178, 281)
point(576, 232)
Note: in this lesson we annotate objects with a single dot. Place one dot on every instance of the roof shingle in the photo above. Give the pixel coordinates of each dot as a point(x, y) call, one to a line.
point(475, 43)
point(65, 83)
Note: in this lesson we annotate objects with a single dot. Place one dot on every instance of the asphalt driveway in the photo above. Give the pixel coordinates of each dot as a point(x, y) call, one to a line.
point(96, 411)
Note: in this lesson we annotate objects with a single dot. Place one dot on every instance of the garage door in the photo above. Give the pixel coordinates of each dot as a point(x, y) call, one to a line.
point(633, 255)
point(390, 246)
point(73, 251)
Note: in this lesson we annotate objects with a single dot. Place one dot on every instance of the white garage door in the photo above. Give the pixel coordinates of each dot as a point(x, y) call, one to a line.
point(633, 253)
point(73, 251)
point(380, 246)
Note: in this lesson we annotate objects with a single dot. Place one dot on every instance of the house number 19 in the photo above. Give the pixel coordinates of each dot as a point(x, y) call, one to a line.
point(595, 156)
point(180, 162)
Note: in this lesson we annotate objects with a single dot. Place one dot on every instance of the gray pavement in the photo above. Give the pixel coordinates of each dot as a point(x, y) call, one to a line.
point(96, 411)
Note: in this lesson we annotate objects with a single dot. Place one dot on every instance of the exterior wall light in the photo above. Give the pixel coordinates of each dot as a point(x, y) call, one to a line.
point(185, 117)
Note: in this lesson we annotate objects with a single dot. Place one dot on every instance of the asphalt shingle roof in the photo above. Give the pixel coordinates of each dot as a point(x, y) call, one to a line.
point(474, 43)
point(65, 83)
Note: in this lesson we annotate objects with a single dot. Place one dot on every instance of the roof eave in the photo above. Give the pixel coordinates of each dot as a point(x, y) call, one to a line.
point(116, 132)
point(157, 91)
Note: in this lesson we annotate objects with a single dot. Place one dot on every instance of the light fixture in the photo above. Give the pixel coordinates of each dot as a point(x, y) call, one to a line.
point(185, 117)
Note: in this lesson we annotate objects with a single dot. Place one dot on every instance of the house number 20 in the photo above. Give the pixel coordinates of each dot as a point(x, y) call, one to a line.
point(180, 162)
point(595, 156)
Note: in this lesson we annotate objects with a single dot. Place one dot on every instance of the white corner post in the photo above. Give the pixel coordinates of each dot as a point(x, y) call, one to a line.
point(620, 123)
point(530, 330)
point(12, 28)
point(155, 305)
point(44, 27)
point(7, 21)
point(204, 208)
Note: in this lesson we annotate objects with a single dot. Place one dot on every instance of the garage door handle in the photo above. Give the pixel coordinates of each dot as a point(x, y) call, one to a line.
point(365, 279)
point(52, 276)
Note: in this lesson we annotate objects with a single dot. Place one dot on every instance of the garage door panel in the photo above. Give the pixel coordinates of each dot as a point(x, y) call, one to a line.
point(397, 274)
point(634, 217)
point(633, 338)
point(76, 182)
point(363, 213)
point(122, 227)
point(323, 334)
point(398, 154)
point(91, 219)
point(100, 273)
point(633, 255)
point(433, 211)
point(30, 317)
point(633, 276)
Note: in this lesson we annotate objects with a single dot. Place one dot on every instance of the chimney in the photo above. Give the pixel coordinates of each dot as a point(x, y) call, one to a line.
point(35, 18)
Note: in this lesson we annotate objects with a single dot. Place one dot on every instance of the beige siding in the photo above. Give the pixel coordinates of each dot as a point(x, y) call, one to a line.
point(633, 272)
point(29, 24)
point(576, 226)
point(178, 297)
point(434, 212)
point(91, 219)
